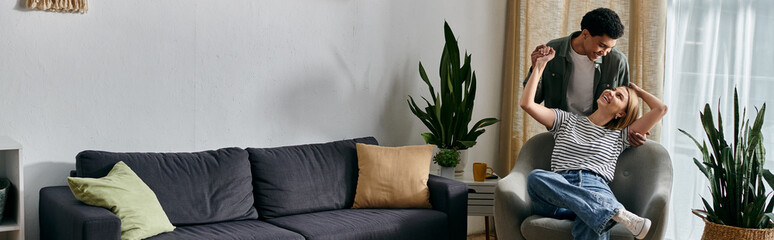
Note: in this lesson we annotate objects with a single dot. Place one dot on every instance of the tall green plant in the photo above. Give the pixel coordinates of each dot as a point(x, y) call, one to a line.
point(735, 171)
point(449, 114)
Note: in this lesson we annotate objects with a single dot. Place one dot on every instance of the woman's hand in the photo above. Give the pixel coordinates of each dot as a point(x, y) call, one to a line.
point(635, 87)
point(636, 139)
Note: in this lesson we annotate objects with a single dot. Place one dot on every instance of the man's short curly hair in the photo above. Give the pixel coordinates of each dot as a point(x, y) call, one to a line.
point(603, 21)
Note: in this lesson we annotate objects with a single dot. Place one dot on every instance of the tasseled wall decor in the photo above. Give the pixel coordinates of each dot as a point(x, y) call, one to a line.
point(73, 6)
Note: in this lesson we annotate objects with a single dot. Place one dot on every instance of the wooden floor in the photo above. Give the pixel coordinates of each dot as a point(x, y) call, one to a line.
point(481, 236)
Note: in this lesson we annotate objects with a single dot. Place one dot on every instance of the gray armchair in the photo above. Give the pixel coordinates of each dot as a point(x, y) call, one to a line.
point(642, 183)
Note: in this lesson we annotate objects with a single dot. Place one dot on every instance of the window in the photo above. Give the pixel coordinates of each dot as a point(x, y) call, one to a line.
point(712, 46)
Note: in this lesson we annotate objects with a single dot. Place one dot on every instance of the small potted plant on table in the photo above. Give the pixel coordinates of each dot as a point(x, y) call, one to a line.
point(447, 159)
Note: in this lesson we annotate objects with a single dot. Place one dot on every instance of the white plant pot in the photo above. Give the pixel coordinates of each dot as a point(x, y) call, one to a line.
point(447, 172)
point(459, 170)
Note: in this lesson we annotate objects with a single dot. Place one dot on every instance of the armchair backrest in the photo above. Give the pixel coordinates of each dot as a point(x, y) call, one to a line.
point(644, 169)
point(535, 154)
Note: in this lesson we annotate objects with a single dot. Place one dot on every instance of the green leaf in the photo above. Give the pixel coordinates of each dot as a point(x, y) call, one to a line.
point(424, 117)
point(711, 216)
point(710, 130)
point(468, 144)
point(702, 168)
point(719, 132)
point(483, 123)
point(429, 138)
point(451, 44)
point(769, 177)
point(689, 135)
point(424, 77)
point(736, 118)
point(474, 135)
point(757, 125)
point(769, 216)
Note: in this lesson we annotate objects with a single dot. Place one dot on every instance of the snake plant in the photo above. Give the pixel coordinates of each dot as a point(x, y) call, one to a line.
point(735, 171)
point(449, 114)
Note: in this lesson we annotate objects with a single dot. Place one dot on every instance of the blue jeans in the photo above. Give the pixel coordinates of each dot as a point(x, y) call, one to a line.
point(579, 194)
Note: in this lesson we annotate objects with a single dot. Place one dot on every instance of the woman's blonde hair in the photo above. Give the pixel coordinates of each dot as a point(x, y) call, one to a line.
point(632, 112)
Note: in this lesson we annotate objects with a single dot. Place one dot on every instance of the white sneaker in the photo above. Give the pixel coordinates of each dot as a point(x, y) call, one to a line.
point(639, 226)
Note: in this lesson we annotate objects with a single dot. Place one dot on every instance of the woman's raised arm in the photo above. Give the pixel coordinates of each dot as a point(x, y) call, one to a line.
point(657, 110)
point(539, 112)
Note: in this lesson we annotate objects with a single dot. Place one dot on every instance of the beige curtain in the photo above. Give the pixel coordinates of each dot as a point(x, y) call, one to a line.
point(533, 22)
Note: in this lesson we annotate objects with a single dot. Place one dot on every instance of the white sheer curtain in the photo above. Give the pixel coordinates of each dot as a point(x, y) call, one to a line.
point(712, 46)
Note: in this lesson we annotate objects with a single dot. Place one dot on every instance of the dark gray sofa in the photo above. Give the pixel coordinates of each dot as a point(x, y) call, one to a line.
point(293, 192)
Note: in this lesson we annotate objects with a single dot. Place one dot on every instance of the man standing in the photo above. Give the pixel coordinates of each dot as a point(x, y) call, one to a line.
point(585, 65)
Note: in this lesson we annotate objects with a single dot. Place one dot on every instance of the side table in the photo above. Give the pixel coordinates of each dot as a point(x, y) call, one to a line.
point(481, 199)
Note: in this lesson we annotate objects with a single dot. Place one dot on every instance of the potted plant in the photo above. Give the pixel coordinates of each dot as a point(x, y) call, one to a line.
point(741, 207)
point(447, 159)
point(449, 113)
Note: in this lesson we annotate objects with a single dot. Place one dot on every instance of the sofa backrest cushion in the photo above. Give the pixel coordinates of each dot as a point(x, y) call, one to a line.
point(193, 188)
point(305, 178)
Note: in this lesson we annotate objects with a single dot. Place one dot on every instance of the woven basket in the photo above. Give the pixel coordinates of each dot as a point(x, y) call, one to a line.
point(714, 231)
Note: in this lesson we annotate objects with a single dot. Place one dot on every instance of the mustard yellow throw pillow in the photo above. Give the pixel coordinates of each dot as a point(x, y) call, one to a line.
point(126, 195)
point(393, 177)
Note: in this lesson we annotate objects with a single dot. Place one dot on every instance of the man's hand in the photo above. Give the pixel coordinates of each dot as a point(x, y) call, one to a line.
point(636, 139)
point(536, 54)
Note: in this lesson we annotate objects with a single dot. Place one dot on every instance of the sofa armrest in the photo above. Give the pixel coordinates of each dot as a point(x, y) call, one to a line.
point(62, 216)
point(451, 197)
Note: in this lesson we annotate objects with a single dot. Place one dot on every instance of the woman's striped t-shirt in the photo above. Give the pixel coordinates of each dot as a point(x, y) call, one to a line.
point(582, 145)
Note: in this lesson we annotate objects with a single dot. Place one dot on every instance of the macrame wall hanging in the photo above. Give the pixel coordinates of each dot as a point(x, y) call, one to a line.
point(72, 6)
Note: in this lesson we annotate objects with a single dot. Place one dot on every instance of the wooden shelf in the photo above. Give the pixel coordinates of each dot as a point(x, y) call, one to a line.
point(9, 225)
point(8, 144)
point(11, 163)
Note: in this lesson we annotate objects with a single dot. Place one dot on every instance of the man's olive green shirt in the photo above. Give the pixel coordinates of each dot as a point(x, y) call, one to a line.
point(611, 71)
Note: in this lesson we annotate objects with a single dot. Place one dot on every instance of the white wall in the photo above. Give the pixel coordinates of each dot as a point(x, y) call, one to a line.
point(195, 75)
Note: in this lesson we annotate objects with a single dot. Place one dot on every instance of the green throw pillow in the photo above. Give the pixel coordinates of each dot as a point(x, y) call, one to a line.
point(126, 195)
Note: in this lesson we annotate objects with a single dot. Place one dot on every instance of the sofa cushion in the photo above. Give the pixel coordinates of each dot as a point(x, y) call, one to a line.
point(393, 177)
point(193, 188)
point(539, 227)
point(305, 178)
point(234, 230)
point(368, 224)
